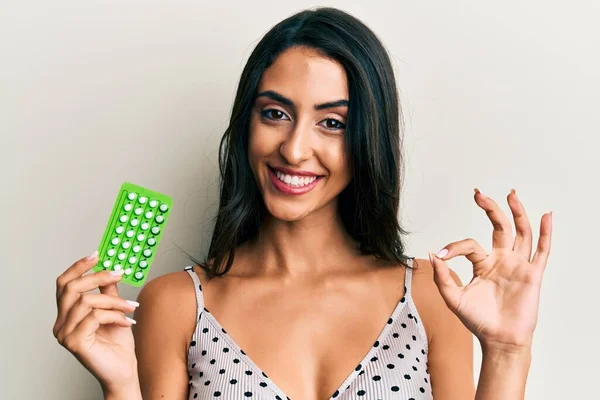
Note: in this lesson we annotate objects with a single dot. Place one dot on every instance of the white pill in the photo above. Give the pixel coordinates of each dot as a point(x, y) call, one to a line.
point(160, 219)
point(138, 211)
point(126, 245)
point(131, 196)
point(111, 252)
point(134, 222)
point(123, 218)
point(163, 207)
point(149, 214)
point(147, 253)
point(120, 229)
point(132, 260)
point(145, 226)
point(121, 256)
point(118, 267)
point(143, 264)
point(107, 263)
point(115, 241)
point(141, 237)
point(128, 207)
point(143, 199)
point(130, 234)
point(153, 203)
point(136, 249)
point(128, 271)
point(151, 241)
point(139, 275)
point(155, 230)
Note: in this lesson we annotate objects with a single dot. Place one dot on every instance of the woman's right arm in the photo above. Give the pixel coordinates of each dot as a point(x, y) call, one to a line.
point(166, 320)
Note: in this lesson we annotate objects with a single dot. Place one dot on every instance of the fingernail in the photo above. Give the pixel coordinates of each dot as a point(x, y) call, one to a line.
point(441, 253)
point(133, 303)
point(131, 320)
point(118, 272)
point(92, 256)
point(476, 190)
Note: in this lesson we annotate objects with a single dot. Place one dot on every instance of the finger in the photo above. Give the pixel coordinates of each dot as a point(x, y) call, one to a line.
point(468, 248)
point(450, 291)
point(80, 267)
point(502, 235)
point(90, 301)
point(110, 289)
point(524, 239)
point(73, 290)
point(90, 324)
point(540, 258)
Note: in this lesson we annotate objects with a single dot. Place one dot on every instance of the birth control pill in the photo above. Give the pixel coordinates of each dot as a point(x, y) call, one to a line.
point(133, 233)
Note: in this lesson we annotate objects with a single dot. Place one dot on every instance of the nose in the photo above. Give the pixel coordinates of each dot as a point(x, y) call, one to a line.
point(298, 145)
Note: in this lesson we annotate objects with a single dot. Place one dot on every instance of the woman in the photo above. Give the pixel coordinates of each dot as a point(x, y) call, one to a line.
point(306, 292)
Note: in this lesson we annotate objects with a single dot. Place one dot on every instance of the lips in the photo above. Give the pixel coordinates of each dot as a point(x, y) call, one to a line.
point(289, 190)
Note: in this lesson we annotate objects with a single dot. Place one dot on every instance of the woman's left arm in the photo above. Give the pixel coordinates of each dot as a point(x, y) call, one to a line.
point(500, 303)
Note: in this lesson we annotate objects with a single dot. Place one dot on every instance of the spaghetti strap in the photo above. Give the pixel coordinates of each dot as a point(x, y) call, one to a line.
point(408, 277)
point(197, 288)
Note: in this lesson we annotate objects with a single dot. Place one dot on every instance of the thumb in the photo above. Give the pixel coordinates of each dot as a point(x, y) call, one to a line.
point(448, 288)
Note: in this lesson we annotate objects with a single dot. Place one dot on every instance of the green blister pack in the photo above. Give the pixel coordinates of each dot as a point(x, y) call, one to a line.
point(133, 232)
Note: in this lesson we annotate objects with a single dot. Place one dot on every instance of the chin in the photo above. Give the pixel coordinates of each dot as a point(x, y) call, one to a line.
point(288, 213)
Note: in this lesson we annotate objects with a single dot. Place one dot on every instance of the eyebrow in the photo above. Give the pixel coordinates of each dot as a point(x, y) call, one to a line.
point(282, 99)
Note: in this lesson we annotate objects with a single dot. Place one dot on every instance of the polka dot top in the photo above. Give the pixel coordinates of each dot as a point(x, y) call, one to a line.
point(395, 367)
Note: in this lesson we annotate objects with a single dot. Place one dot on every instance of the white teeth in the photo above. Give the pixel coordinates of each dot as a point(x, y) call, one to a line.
point(294, 180)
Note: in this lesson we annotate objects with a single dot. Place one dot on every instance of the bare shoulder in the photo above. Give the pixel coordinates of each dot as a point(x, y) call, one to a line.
point(450, 357)
point(427, 298)
point(168, 302)
point(166, 319)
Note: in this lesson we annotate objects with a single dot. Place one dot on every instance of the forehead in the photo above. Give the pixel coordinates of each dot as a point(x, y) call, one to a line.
point(301, 73)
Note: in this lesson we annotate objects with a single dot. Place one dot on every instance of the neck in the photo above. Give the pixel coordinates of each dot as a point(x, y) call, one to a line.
point(317, 243)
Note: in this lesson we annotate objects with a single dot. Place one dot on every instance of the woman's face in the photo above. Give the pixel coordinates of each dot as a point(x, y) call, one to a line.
point(296, 144)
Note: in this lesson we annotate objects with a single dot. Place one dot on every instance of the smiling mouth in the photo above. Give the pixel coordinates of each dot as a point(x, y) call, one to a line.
point(294, 181)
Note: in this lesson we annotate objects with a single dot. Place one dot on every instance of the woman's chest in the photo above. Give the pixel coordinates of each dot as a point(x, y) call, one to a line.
point(310, 347)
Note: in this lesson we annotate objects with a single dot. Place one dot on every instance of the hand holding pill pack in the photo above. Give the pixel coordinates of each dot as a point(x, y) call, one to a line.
point(133, 232)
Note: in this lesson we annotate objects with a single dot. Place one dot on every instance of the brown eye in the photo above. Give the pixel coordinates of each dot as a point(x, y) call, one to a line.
point(333, 124)
point(272, 113)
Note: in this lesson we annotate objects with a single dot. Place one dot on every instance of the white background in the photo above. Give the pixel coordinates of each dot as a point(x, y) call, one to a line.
point(496, 94)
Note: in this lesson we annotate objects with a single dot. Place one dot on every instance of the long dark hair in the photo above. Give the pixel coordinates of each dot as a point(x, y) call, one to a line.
point(369, 204)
